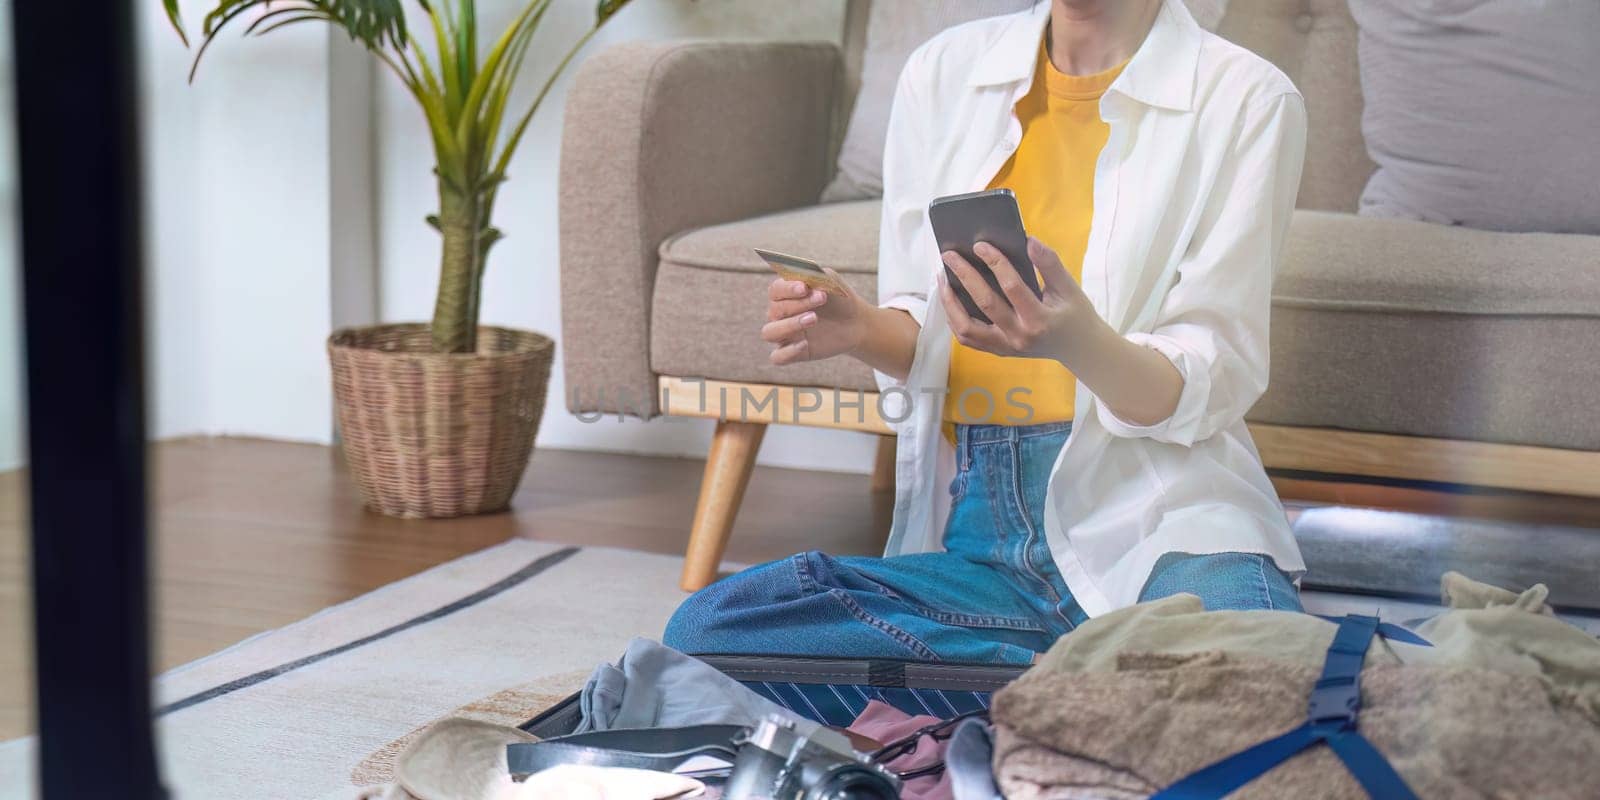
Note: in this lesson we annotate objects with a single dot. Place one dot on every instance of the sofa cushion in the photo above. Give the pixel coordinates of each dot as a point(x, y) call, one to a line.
point(1406, 327)
point(1337, 261)
point(1388, 326)
point(894, 29)
point(1483, 112)
point(711, 293)
point(843, 236)
point(1314, 43)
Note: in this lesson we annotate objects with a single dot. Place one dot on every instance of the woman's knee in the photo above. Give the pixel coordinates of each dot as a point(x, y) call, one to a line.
point(690, 627)
point(1230, 581)
point(717, 618)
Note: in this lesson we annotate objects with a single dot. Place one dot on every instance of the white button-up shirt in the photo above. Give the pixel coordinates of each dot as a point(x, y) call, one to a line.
point(1192, 196)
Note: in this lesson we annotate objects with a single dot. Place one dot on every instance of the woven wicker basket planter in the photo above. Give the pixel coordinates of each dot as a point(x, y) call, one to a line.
point(438, 435)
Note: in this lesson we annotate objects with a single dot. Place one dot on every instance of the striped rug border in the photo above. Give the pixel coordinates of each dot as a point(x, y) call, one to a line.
point(521, 576)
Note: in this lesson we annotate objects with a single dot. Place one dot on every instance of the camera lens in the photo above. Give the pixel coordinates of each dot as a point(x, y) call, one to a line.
point(850, 782)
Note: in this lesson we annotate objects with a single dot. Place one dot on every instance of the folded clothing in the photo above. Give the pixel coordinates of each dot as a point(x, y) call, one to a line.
point(885, 723)
point(1448, 732)
point(655, 686)
point(1484, 627)
point(1503, 704)
point(458, 759)
point(968, 757)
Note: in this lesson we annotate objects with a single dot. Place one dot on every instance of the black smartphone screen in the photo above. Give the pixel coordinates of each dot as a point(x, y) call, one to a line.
point(962, 220)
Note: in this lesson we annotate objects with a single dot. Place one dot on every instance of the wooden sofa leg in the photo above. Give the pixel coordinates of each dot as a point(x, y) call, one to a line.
point(733, 455)
point(883, 466)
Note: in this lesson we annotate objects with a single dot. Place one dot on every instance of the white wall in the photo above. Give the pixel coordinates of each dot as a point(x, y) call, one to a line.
point(237, 231)
point(236, 236)
point(240, 169)
point(521, 287)
point(11, 438)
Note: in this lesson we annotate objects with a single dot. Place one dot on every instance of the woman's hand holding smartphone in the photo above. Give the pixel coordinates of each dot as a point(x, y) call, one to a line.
point(1052, 324)
point(1135, 382)
point(991, 283)
point(961, 221)
point(1018, 318)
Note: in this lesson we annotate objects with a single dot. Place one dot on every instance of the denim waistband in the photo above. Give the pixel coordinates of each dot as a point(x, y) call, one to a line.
point(984, 434)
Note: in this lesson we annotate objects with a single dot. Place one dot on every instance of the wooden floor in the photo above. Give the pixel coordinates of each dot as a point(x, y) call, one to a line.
point(251, 535)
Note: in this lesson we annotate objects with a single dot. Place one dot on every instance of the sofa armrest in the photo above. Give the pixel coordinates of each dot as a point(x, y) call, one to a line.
point(661, 137)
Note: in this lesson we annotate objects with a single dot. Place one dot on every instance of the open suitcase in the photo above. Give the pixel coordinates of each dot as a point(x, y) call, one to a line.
point(834, 691)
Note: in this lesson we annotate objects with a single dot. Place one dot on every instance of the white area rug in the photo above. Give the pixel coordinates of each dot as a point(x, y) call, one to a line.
point(288, 713)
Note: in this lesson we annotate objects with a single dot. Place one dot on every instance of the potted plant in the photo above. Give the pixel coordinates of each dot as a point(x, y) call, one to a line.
point(438, 419)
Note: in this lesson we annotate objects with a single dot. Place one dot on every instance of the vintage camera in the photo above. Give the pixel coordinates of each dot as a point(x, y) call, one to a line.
point(777, 762)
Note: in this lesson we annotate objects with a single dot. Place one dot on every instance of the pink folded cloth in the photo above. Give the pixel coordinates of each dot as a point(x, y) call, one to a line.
point(885, 723)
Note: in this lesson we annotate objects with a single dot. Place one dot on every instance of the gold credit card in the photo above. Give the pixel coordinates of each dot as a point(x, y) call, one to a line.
point(795, 268)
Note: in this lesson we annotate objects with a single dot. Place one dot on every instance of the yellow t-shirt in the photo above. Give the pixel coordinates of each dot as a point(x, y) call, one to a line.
point(1052, 174)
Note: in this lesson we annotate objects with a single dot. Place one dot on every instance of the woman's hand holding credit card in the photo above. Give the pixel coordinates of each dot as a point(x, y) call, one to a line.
point(811, 312)
point(795, 268)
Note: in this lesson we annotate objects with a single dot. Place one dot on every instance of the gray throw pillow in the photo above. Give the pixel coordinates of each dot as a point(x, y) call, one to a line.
point(894, 29)
point(1482, 113)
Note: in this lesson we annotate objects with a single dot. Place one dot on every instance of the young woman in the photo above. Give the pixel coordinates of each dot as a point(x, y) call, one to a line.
point(1087, 450)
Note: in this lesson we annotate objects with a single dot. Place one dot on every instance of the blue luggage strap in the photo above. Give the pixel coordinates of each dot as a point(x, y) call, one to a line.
point(1386, 630)
point(1330, 718)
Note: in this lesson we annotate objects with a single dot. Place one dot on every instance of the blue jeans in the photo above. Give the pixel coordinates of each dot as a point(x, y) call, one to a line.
point(994, 594)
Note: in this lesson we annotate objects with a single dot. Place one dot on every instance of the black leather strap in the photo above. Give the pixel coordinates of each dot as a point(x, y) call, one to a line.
point(886, 674)
point(661, 749)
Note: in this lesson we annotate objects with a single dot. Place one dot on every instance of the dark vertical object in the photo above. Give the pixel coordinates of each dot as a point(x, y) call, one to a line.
point(79, 162)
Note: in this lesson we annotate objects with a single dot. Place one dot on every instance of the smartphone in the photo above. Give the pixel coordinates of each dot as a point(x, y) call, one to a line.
point(962, 220)
point(806, 271)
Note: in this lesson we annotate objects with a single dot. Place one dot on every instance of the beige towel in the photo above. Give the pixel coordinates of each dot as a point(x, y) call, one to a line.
point(1505, 703)
point(1486, 627)
point(1449, 732)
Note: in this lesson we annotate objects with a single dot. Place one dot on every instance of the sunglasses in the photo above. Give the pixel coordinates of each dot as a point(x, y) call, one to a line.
point(907, 744)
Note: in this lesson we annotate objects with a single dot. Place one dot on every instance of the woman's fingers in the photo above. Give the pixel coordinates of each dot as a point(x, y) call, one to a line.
point(1021, 297)
point(788, 328)
point(784, 289)
point(786, 298)
point(1056, 279)
point(790, 353)
point(968, 331)
point(849, 292)
point(994, 306)
point(783, 309)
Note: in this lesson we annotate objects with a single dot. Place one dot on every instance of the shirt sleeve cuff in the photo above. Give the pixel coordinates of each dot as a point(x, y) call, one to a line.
point(914, 304)
point(893, 404)
point(1178, 428)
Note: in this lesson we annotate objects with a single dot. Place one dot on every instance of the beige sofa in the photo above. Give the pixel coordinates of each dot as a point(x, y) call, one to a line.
point(1400, 350)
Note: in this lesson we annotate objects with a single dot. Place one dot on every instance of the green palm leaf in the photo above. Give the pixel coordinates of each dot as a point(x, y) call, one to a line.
point(605, 9)
point(463, 100)
point(375, 23)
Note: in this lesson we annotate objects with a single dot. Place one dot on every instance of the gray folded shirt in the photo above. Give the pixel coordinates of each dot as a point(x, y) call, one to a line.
point(654, 686)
